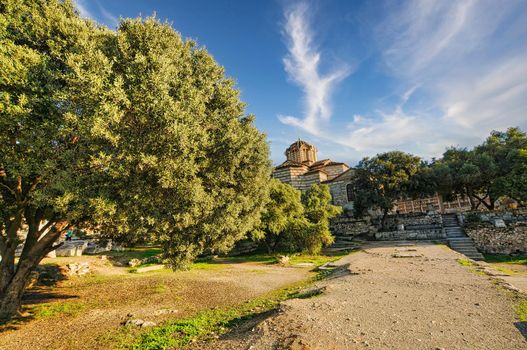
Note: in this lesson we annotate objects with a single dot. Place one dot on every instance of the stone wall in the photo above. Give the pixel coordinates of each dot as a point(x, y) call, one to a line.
point(403, 235)
point(417, 221)
point(346, 226)
point(505, 240)
point(509, 217)
point(337, 187)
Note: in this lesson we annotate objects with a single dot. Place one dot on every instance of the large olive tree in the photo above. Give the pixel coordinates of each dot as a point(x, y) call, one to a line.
point(136, 134)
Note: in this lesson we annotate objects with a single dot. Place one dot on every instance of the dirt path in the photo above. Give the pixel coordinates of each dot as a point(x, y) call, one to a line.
point(423, 301)
point(101, 302)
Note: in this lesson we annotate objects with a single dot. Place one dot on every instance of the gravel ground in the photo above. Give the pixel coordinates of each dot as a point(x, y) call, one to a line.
point(391, 297)
point(110, 294)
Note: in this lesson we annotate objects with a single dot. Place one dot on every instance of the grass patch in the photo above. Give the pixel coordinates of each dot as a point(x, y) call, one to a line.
point(55, 309)
point(260, 258)
point(521, 310)
point(135, 253)
point(505, 270)
point(478, 272)
point(508, 259)
point(203, 265)
point(207, 324)
point(317, 260)
point(465, 262)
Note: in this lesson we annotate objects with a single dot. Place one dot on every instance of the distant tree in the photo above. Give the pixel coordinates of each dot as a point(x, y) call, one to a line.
point(318, 211)
point(491, 170)
point(508, 151)
point(134, 133)
point(382, 180)
point(297, 223)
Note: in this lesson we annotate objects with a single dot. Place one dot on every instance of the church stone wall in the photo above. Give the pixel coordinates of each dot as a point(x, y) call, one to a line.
point(335, 170)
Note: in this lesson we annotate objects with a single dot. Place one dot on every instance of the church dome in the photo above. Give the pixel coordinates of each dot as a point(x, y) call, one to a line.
point(301, 152)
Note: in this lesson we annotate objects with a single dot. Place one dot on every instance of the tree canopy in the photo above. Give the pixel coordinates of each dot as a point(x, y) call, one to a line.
point(382, 180)
point(295, 222)
point(136, 134)
point(494, 169)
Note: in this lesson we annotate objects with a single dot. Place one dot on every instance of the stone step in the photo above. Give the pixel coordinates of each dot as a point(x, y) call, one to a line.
point(337, 249)
point(463, 246)
point(344, 238)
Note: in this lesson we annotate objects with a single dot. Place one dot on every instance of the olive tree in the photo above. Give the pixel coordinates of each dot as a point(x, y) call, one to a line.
point(136, 134)
point(382, 180)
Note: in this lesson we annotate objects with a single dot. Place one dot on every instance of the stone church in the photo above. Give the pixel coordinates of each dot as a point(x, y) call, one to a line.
point(301, 169)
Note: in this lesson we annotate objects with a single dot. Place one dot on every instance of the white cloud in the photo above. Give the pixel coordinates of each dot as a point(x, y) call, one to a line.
point(101, 15)
point(470, 59)
point(302, 65)
point(83, 9)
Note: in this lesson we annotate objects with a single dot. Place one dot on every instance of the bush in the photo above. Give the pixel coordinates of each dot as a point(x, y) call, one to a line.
point(296, 223)
point(472, 218)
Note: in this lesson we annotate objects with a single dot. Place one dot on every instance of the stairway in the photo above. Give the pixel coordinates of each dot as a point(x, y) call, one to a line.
point(458, 240)
point(342, 243)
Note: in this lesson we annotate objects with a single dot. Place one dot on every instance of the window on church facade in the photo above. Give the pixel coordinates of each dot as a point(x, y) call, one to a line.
point(349, 192)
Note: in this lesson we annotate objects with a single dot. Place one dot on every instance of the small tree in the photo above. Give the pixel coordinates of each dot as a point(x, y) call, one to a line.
point(382, 180)
point(318, 211)
point(295, 223)
point(283, 209)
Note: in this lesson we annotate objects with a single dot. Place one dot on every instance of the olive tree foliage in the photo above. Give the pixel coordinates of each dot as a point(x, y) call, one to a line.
point(54, 84)
point(136, 134)
point(295, 222)
point(192, 169)
point(494, 169)
point(381, 180)
point(282, 209)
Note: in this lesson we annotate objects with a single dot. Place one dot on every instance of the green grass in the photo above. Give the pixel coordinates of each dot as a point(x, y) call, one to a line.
point(135, 253)
point(505, 270)
point(521, 310)
point(203, 265)
point(317, 260)
point(508, 259)
point(54, 309)
point(465, 262)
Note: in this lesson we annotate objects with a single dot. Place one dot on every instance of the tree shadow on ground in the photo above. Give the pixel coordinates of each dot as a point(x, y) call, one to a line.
point(39, 292)
point(50, 275)
point(31, 298)
point(522, 327)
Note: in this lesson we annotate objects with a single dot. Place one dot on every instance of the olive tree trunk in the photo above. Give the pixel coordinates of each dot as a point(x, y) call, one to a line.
point(15, 276)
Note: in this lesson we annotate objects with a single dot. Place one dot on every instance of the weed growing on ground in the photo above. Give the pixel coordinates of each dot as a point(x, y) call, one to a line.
point(54, 309)
point(465, 262)
point(505, 270)
point(521, 310)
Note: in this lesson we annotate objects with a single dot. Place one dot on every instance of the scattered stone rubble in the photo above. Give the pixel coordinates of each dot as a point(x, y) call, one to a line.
point(78, 269)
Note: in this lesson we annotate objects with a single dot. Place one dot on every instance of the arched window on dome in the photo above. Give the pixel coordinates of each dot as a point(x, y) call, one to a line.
point(350, 193)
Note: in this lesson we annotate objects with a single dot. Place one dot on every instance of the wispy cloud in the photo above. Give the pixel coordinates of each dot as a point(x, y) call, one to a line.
point(302, 65)
point(468, 57)
point(101, 14)
point(83, 9)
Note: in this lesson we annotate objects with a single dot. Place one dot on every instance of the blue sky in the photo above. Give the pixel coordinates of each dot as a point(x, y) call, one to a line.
point(357, 78)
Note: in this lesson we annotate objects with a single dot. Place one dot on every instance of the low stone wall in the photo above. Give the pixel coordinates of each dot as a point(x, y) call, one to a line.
point(410, 235)
point(507, 240)
point(509, 216)
point(418, 221)
point(345, 226)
